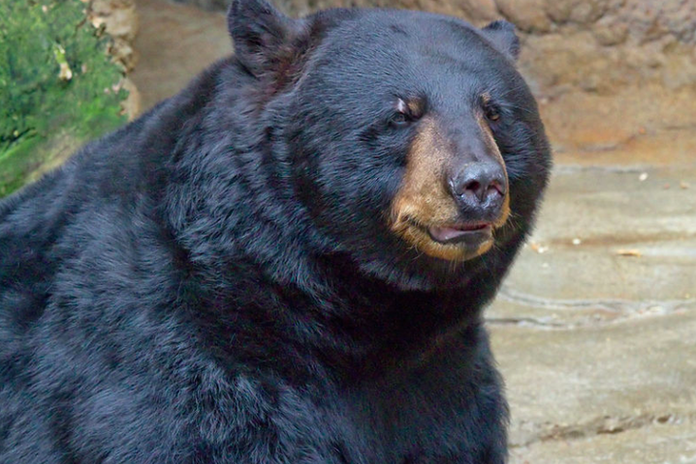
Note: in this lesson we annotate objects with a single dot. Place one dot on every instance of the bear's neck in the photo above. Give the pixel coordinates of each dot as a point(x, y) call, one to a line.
point(372, 328)
point(337, 320)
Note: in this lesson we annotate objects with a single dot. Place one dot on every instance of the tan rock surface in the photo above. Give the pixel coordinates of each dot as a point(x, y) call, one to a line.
point(175, 43)
point(120, 21)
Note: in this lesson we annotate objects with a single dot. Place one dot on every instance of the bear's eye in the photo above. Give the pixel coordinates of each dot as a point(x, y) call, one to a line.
point(403, 115)
point(399, 119)
point(490, 110)
point(492, 113)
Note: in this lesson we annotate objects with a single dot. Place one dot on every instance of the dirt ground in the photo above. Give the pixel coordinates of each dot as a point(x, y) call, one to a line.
point(595, 328)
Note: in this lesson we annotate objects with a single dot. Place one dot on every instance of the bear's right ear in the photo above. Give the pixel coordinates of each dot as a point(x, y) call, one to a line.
point(502, 36)
point(259, 32)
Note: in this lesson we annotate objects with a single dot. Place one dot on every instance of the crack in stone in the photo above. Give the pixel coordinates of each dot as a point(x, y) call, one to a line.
point(608, 304)
point(620, 310)
point(602, 426)
point(527, 322)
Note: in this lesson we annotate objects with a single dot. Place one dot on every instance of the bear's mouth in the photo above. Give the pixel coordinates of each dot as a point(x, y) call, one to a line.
point(451, 241)
point(471, 233)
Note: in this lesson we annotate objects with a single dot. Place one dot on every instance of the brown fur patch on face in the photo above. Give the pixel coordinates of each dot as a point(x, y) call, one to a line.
point(493, 147)
point(424, 200)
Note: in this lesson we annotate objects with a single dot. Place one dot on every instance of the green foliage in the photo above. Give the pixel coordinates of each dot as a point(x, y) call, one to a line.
point(56, 79)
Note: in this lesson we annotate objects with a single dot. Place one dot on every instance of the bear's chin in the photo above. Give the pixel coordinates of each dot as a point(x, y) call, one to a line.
point(418, 271)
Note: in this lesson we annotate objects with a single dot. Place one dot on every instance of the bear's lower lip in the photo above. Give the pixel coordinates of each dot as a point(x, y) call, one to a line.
point(470, 233)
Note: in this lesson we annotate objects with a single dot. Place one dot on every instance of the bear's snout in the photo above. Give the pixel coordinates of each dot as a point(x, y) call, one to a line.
point(454, 193)
point(479, 189)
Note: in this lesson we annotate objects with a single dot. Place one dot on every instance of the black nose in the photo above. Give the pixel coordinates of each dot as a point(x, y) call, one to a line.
point(481, 184)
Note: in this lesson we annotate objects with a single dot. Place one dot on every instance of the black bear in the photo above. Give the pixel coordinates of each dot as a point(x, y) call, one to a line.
point(285, 263)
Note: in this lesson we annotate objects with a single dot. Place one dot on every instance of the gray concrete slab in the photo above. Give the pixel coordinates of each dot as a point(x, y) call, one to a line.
point(598, 346)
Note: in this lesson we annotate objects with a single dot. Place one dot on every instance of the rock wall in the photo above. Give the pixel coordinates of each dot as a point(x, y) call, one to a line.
point(120, 21)
point(605, 71)
point(594, 45)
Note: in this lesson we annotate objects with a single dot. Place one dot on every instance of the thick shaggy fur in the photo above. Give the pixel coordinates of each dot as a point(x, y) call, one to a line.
point(217, 281)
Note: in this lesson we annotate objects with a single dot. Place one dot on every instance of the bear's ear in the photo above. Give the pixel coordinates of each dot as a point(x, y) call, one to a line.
point(259, 32)
point(502, 35)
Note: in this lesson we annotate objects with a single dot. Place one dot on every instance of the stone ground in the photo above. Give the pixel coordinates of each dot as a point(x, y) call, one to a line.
point(595, 328)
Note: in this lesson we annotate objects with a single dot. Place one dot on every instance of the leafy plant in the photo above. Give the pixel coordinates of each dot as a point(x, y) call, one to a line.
point(56, 81)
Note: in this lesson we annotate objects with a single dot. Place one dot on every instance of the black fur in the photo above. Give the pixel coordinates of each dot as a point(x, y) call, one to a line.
point(215, 283)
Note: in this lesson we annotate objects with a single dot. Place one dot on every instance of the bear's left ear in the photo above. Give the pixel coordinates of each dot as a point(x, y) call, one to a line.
point(502, 35)
point(260, 33)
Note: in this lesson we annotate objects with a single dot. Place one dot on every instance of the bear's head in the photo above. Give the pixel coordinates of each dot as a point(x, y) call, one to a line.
point(413, 142)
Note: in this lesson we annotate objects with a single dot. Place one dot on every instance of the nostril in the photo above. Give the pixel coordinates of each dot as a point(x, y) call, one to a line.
point(496, 187)
point(473, 186)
